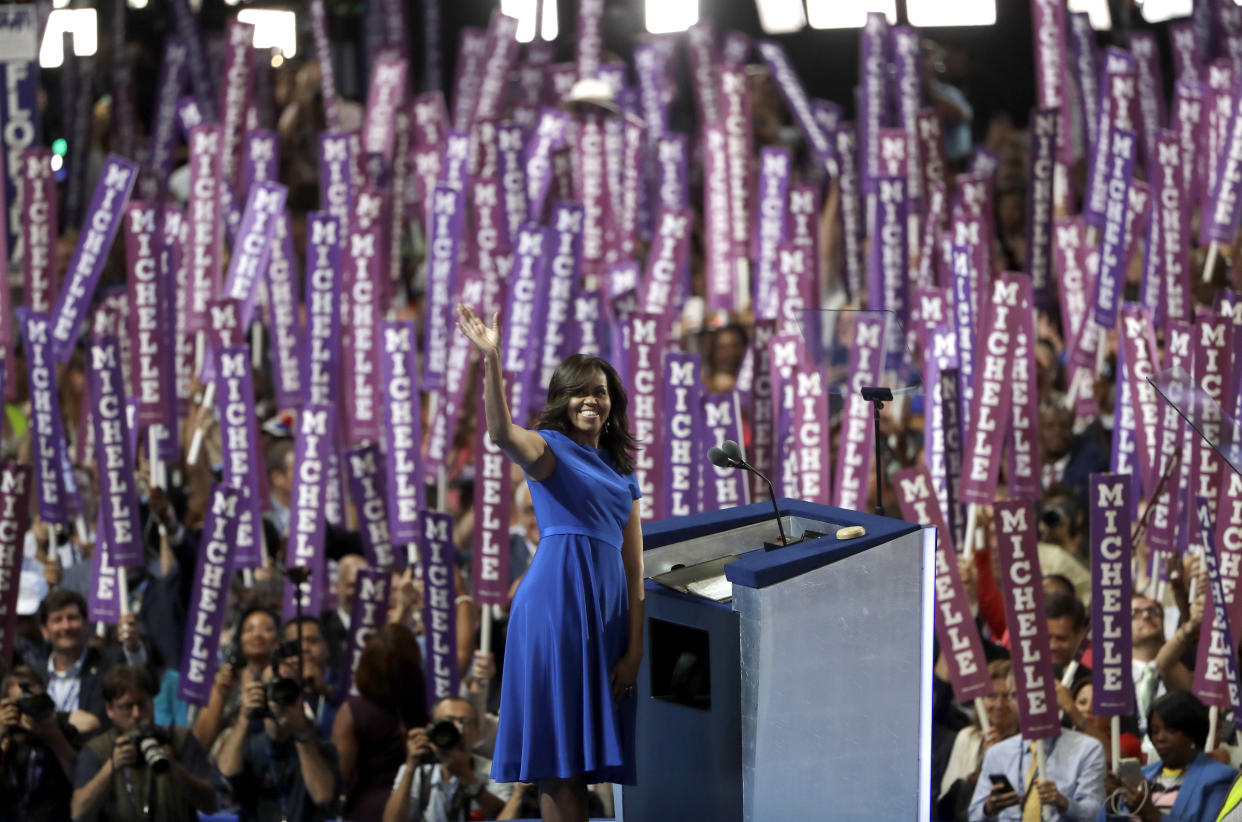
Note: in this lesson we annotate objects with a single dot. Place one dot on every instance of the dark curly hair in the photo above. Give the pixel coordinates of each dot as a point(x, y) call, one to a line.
point(571, 378)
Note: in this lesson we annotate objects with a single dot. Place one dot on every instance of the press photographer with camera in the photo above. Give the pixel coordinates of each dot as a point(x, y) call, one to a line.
point(38, 752)
point(280, 769)
point(137, 770)
point(442, 780)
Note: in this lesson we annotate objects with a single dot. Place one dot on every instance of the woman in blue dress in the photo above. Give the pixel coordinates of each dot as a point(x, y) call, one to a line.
point(575, 635)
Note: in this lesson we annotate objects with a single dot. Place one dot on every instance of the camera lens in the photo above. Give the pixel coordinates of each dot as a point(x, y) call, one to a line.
point(444, 734)
point(283, 691)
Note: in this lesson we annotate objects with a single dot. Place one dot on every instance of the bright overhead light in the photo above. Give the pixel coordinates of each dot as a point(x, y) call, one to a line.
point(1157, 11)
point(57, 162)
point(273, 28)
point(931, 13)
point(781, 16)
point(837, 14)
point(1097, 11)
point(137, 4)
point(80, 23)
point(525, 12)
point(551, 25)
point(59, 4)
point(668, 16)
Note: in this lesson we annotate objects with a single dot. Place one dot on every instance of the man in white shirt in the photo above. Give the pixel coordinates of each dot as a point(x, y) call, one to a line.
point(1073, 787)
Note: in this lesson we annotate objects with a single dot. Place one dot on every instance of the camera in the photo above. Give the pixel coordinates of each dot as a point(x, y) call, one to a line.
point(287, 649)
point(150, 740)
point(36, 706)
point(282, 692)
point(444, 735)
point(1054, 515)
point(233, 656)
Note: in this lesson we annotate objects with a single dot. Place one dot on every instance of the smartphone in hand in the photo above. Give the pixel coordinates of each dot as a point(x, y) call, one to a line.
point(999, 780)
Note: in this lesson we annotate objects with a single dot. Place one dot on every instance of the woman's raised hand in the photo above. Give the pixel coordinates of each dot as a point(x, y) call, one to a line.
point(487, 340)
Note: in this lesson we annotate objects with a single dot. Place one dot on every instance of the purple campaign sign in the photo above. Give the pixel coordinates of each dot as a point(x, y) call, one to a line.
point(501, 54)
point(681, 390)
point(444, 237)
point(1120, 86)
point(236, 95)
point(851, 211)
point(336, 173)
point(889, 268)
point(703, 61)
point(116, 180)
point(206, 223)
point(1111, 277)
point(439, 606)
point(722, 420)
point(1023, 591)
point(104, 601)
point(252, 245)
point(1220, 222)
point(14, 520)
point(1051, 65)
point(313, 446)
point(735, 158)
point(150, 321)
point(323, 55)
point(672, 175)
point(549, 135)
point(1137, 338)
point(1040, 203)
point(1024, 456)
point(1150, 87)
point(955, 627)
point(442, 424)
point(872, 95)
point(369, 614)
point(403, 430)
point(670, 248)
point(285, 330)
point(800, 410)
point(114, 459)
point(205, 618)
point(468, 75)
point(360, 281)
point(645, 349)
point(1216, 664)
point(796, 99)
point(386, 93)
point(907, 61)
point(564, 263)
point(366, 488)
point(512, 175)
point(321, 356)
point(38, 229)
point(950, 395)
point(592, 191)
point(770, 204)
point(47, 436)
point(854, 452)
point(186, 23)
point(524, 318)
point(991, 405)
point(1111, 589)
point(240, 437)
point(493, 498)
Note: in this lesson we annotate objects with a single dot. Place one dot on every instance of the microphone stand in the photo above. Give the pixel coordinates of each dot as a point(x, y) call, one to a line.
point(877, 397)
point(745, 466)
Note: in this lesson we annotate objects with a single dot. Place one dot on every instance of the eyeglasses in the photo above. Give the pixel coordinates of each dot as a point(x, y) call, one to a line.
point(1153, 611)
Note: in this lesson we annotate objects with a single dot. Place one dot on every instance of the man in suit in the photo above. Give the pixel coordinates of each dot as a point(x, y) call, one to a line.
point(74, 670)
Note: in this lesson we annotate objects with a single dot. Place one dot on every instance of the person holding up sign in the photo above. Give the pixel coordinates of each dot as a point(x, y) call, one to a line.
point(575, 633)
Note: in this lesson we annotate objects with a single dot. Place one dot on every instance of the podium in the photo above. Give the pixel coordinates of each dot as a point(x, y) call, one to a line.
point(807, 694)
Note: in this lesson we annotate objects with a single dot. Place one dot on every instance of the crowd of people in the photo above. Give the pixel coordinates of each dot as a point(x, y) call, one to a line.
point(91, 725)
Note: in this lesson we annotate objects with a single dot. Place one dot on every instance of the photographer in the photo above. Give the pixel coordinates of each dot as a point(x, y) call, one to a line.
point(37, 752)
point(441, 780)
point(279, 767)
point(137, 771)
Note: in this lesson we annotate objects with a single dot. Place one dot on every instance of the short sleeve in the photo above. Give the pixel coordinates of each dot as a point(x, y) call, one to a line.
point(632, 481)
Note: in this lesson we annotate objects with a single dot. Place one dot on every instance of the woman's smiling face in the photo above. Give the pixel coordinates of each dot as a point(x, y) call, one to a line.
point(589, 406)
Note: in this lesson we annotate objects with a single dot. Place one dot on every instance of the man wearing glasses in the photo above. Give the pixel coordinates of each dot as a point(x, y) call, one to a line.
point(446, 783)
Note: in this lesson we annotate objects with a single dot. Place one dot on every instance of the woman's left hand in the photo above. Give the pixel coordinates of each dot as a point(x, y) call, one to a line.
point(624, 675)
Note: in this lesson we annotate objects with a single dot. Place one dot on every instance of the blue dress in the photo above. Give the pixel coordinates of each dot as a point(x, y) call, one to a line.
point(568, 626)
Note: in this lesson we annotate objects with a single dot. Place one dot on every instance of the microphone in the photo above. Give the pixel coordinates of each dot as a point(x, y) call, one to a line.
point(729, 455)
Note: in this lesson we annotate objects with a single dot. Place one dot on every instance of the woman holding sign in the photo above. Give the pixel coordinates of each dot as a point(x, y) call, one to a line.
point(575, 631)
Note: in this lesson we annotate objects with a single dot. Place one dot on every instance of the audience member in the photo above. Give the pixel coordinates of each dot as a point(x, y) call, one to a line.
point(38, 752)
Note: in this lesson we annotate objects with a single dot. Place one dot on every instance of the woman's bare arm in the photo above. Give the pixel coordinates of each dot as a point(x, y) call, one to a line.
point(526, 448)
